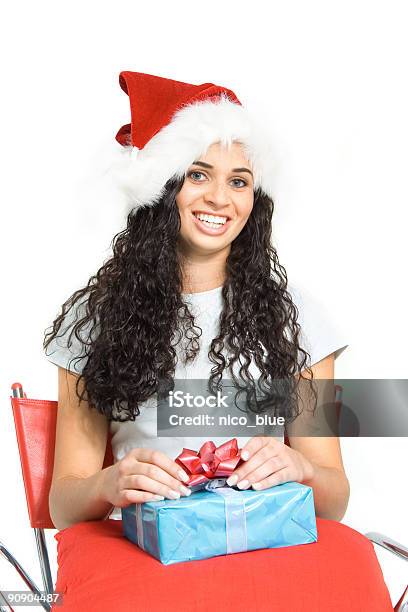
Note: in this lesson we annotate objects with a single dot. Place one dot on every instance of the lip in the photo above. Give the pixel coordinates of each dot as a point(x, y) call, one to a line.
point(213, 214)
point(211, 231)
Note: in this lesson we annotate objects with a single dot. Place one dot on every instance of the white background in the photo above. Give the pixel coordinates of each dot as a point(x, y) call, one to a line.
point(330, 78)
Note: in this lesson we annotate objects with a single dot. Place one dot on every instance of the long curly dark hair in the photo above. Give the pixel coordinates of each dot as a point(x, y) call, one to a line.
point(134, 316)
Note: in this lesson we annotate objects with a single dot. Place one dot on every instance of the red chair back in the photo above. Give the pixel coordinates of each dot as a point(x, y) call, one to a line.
point(35, 422)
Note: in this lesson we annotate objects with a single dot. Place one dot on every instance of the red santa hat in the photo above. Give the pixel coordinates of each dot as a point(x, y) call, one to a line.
point(173, 124)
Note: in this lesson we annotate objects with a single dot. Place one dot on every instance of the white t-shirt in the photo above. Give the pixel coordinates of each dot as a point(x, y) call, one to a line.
point(319, 337)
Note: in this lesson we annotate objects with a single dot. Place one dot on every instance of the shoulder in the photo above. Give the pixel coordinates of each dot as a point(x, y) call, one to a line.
point(321, 335)
point(67, 347)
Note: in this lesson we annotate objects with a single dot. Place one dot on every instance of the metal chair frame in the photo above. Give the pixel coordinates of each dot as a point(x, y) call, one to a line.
point(39, 512)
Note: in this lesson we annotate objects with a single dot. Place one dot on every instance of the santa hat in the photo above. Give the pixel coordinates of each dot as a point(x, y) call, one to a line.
point(173, 124)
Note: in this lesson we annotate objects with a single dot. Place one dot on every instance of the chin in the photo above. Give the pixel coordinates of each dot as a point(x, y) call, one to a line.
point(208, 245)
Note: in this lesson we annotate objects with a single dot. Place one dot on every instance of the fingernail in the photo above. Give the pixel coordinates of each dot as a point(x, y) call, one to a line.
point(256, 486)
point(245, 455)
point(232, 480)
point(244, 484)
point(173, 494)
point(158, 497)
point(183, 475)
point(185, 490)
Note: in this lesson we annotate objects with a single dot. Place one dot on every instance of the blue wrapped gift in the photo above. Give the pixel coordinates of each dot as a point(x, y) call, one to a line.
point(222, 521)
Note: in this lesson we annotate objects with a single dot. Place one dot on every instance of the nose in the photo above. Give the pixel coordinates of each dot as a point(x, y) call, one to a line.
point(217, 194)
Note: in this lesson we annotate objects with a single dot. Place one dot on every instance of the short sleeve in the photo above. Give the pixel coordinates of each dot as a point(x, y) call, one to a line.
point(320, 335)
point(63, 353)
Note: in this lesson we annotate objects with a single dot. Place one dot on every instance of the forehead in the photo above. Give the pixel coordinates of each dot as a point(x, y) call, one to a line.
point(232, 153)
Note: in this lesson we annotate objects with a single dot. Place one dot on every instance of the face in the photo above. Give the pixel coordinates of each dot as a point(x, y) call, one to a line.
point(219, 187)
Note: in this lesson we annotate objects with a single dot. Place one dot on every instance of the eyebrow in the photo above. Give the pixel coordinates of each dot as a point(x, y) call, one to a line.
point(205, 165)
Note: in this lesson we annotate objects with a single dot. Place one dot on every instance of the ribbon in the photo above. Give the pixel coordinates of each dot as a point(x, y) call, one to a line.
point(139, 526)
point(209, 463)
point(209, 469)
point(235, 519)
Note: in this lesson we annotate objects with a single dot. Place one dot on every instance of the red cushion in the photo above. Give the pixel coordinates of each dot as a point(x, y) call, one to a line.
point(99, 569)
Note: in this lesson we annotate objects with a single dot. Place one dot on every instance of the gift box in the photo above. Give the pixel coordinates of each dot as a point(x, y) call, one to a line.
point(222, 521)
point(217, 519)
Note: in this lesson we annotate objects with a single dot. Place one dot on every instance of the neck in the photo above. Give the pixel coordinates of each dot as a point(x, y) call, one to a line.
point(203, 273)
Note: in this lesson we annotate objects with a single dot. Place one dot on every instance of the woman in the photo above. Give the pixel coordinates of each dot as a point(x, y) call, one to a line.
point(194, 289)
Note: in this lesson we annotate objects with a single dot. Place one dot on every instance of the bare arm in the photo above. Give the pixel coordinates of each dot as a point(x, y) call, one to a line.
point(80, 444)
point(311, 460)
point(81, 490)
point(78, 499)
point(331, 492)
point(331, 489)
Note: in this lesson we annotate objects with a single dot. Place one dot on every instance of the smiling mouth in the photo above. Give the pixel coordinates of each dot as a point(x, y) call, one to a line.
point(216, 223)
point(212, 228)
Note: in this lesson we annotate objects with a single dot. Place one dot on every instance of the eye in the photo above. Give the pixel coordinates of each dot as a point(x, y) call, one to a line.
point(195, 174)
point(190, 174)
point(244, 183)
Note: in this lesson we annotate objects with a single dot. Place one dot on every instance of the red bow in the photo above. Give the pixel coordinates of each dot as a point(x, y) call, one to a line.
point(210, 461)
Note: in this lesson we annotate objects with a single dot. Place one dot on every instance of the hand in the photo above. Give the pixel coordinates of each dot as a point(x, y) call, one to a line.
point(269, 462)
point(144, 474)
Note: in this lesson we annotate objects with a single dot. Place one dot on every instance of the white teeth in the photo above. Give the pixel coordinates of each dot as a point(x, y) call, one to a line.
point(215, 225)
point(211, 219)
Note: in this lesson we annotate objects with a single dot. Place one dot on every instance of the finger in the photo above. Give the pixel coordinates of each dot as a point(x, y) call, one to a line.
point(279, 477)
point(140, 497)
point(140, 482)
point(147, 455)
point(272, 465)
point(258, 459)
point(256, 444)
point(142, 471)
point(155, 472)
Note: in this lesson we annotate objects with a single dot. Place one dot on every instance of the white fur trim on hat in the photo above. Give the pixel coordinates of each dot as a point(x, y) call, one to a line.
point(142, 174)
